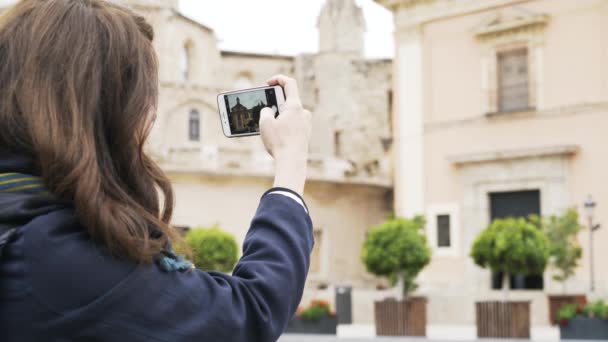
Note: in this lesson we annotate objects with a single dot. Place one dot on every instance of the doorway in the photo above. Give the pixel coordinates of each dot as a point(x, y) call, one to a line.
point(516, 204)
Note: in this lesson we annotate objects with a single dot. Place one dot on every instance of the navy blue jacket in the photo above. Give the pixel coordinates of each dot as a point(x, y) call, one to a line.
point(58, 285)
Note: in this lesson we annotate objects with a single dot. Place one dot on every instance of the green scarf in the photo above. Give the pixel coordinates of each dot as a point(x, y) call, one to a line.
point(14, 182)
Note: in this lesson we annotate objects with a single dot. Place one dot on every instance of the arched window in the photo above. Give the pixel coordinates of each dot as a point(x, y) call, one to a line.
point(243, 81)
point(194, 125)
point(186, 60)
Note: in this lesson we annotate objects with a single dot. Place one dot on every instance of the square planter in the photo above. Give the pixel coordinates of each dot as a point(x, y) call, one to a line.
point(556, 302)
point(497, 319)
point(583, 328)
point(325, 325)
point(401, 318)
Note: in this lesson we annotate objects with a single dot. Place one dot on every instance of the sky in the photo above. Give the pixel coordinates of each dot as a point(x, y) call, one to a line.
point(249, 99)
point(285, 27)
point(289, 25)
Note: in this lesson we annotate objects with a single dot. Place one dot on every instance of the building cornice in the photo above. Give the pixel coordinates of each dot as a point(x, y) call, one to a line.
point(506, 155)
point(411, 13)
point(495, 26)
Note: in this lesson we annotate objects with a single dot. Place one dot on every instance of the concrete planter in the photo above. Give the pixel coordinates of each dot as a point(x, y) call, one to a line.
point(325, 325)
point(556, 302)
point(583, 328)
point(497, 319)
point(401, 318)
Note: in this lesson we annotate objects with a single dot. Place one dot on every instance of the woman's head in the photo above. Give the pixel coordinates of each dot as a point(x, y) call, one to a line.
point(78, 93)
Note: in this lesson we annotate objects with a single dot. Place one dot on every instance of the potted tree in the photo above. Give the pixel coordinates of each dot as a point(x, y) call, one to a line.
point(510, 246)
point(317, 318)
point(212, 249)
point(584, 322)
point(565, 253)
point(398, 249)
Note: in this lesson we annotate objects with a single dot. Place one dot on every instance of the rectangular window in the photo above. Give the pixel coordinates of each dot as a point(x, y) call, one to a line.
point(338, 143)
point(443, 231)
point(390, 112)
point(315, 258)
point(513, 84)
point(194, 126)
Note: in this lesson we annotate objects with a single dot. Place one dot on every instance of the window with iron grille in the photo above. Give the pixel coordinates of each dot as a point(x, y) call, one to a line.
point(513, 80)
point(194, 125)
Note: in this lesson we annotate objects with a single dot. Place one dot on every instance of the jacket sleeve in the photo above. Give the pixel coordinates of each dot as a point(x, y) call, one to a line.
point(255, 303)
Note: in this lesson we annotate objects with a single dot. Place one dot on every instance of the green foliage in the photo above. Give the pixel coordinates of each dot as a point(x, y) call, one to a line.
point(212, 249)
point(567, 312)
point(598, 309)
point(316, 310)
point(512, 246)
point(397, 248)
point(564, 249)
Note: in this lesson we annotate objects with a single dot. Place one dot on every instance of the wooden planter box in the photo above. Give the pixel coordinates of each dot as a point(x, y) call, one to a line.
point(325, 325)
point(557, 302)
point(583, 328)
point(401, 318)
point(503, 319)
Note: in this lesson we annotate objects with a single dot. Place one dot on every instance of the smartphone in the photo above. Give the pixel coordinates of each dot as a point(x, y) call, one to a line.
point(240, 110)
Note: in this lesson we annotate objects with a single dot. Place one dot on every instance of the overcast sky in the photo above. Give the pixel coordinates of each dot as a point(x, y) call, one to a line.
point(282, 26)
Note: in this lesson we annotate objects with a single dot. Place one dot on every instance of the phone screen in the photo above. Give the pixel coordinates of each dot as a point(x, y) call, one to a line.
point(243, 109)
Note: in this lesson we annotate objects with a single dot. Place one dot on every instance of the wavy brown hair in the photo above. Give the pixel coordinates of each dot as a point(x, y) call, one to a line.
point(78, 93)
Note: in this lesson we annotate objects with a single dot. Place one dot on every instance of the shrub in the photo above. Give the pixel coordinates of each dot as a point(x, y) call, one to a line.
point(316, 310)
point(598, 309)
point(397, 249)
point(511, 246)
point(212, 249)
point(564, 249)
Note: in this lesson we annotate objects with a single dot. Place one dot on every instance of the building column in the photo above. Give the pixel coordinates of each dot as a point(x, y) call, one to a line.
point(409, 123)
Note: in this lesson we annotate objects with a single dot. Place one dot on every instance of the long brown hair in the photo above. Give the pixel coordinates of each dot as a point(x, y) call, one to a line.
point(78, 93)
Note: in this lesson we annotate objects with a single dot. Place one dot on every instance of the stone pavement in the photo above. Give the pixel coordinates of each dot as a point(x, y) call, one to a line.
point(315, 338)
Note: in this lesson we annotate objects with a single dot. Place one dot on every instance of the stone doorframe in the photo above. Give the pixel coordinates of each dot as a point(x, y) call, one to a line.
point(544, 169)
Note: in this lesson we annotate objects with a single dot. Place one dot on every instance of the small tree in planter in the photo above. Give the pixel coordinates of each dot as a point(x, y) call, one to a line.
point(565, 253)
point(589, 322)
point(398, 249)
point(510, 246)
point(212, 249)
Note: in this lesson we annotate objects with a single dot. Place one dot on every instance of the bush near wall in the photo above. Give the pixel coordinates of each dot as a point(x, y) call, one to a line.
point(212, 249)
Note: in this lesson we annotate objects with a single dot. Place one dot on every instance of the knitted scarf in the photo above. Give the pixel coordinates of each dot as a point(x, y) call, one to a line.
point(15, 182)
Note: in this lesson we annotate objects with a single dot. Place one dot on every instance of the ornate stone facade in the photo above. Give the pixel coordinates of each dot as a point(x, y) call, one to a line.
point(455, 149)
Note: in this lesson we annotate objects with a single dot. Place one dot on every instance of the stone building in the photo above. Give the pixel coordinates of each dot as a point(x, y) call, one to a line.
point(219, 180)
point(501, 108)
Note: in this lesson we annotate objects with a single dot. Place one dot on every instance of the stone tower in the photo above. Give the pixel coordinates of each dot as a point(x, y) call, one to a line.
point(341, 27)
point(341, 36)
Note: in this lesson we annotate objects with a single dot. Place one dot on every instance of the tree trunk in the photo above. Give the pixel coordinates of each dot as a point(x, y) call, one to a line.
point(401, 286)
point(506, 285)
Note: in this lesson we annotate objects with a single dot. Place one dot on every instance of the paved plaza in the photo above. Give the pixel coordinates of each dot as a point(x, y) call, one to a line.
point(318, 338)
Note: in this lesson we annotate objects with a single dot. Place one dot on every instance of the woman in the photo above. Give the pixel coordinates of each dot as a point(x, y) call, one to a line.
point(86, 241)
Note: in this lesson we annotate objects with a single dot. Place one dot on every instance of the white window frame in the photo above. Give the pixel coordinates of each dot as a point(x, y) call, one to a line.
point(453, 211)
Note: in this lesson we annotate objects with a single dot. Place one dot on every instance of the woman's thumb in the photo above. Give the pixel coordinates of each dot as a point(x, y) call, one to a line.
point(266, 118)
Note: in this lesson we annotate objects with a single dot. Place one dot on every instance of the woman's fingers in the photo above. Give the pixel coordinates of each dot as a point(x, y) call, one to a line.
point(290, 86)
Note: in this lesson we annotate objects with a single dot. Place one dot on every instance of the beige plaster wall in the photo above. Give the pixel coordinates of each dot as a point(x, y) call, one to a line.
point(342, 212)
point(573, 112)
